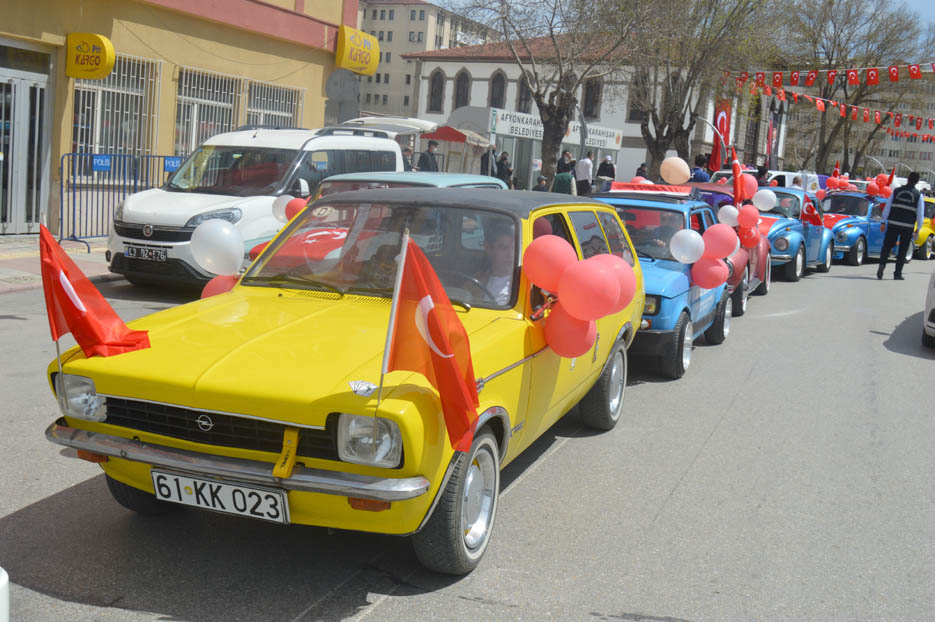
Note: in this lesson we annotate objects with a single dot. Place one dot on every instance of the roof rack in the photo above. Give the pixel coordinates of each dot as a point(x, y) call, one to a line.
point(351, 130)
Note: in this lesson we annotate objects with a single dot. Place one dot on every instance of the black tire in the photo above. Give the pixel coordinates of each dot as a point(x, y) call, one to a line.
point(858, 252)
point(927, 340)
point(924, 252)
point(672, 364)
point(763, 288)
point(136, 500)
point(825, 266)
point(441, 544)
point(740, 295)
point(601, 407)
point(718, 332)
point(791, 270)
point(140, 281)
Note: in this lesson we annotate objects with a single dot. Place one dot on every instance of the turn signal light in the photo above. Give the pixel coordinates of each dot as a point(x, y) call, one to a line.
point(90, 456)
point(368, 505)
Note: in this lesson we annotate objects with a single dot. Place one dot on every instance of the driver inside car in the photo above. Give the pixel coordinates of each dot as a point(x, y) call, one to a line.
point(669, 223)
point(497, 277)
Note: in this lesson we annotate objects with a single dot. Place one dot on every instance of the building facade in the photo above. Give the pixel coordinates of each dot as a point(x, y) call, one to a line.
point(408, 27)
point(183, 71)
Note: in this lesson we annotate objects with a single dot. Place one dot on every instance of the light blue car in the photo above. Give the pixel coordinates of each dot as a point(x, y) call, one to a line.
point(853, 218)
point(794, 242)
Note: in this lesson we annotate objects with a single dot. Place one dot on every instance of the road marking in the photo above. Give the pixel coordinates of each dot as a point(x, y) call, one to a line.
point(780, 314)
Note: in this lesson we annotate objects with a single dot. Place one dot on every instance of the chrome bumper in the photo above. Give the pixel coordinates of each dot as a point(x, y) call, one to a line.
point(238, 469)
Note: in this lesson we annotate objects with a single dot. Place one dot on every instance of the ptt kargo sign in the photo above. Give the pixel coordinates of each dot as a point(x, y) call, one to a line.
point(89, 56)
point(357, 51)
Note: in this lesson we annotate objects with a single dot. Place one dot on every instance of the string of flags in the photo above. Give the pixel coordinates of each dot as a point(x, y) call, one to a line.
point(854, 77)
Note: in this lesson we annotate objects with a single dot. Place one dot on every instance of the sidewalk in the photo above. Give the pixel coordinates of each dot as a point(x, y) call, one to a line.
point(19, 261)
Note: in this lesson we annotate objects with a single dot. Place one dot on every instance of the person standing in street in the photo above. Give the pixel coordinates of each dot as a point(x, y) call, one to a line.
point(504, 170)
point(427, 161)
point(699, 173)
point(607, 168)
point(488, 162)
point(407, 159)
point(903, 214)
point(564, 163)
point(583, 174)
point(641, 170)
point(542, 184)
point(564, 182)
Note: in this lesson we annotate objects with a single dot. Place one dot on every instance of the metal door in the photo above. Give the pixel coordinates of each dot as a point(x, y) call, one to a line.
point(24, 153)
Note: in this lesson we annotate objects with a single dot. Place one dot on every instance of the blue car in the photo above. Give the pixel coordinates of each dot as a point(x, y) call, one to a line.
point(794, 242)
point(853, 218)
point(677, 311)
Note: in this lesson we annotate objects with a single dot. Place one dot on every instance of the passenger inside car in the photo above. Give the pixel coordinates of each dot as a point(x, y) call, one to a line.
point(669, 223)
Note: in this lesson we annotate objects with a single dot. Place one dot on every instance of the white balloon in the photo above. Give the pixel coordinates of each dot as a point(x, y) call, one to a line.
point(764, 200)
point(647, 181)
point(728, 215)
point(217, 247)
point(687, 246)
point(279, 207)
point(675, 170)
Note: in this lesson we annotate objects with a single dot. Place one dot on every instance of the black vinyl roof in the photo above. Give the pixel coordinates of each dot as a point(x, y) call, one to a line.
point(516, 202)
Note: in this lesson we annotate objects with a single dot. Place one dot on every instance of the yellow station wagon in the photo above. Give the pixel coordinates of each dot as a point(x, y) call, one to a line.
point(260, 402)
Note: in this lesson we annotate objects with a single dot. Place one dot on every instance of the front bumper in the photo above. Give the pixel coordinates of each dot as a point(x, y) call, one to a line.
point(778, 259)
point(238, 469)
point(651, 342)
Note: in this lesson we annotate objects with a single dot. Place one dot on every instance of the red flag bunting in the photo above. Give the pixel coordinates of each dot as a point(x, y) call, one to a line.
point(767, 90)
point(866, 114)
point(795, 97)
point(760, 78)
point(853, 113)
point(744, 76)
point(919, 123)
point(794, 78)
point(429, 339)
point(894, 73)
point(853, 77)
point(932, 124)
point(873, 76)
point(844, 111)
point(898, 120)
point(810, 77)
point(722, 123)
point(75, 306)
point(876, 116)
point(832, 74)
point(820, 105)
point(777, 78)
point(915, 72)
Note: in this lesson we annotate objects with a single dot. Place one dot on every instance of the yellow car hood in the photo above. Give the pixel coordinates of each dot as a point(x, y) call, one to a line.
point(259, 351)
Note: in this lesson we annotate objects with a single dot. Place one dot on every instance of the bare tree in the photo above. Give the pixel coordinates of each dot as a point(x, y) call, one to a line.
point(559, 46)
point(679, 57)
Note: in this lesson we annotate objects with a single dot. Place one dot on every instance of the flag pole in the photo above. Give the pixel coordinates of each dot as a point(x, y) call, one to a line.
point(60, 392)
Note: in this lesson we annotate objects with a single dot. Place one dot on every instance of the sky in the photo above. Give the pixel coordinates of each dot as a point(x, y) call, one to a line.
point(924, 8)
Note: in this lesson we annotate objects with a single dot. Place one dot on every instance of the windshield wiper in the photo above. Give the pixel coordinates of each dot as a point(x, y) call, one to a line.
point(389, 290)
point(296, 280)
point(640, 253)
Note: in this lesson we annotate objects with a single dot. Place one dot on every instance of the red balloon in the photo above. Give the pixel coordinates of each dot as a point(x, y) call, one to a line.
point(637, 180)
point(749, 238)
point(873, 189)
point(256, 250)
point(295, 206)
point(775, 182)
point(566, 335)
point(882, 179)
point(831, 183)
point(626, 278)
point(219, 285)
point(709, 273)
point(852, 187)
point(719, 241)
point(545, 259)
point(886, 191)
point(749, 186)
point(588, 290)
point(820, 193)
point(722, 180)
point(748, 216)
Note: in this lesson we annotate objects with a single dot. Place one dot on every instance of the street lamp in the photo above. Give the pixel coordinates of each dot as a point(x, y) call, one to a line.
point(909, 168)
point(716, 132)
point(877, 161)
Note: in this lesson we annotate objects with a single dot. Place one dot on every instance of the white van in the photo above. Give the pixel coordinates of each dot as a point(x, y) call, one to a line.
point(235, 176)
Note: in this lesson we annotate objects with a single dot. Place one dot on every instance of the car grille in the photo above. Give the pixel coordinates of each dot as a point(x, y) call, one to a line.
point(160, 234)
point(227, 430)
point(170, 269)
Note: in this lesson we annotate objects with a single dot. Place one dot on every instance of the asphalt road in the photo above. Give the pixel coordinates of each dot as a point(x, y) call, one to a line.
point(788, 476)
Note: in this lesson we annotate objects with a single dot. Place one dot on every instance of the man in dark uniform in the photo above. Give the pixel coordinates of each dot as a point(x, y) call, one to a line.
point(488, 162)
point(902, 215)
point(427, 161)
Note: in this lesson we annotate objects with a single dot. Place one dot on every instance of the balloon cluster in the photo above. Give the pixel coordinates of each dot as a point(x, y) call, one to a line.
point(587, 290)
point(706, 252)
point(218, 248)
point(285, 207)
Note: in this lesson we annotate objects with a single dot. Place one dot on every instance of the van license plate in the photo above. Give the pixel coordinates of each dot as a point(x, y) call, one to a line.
point(143, 252)
point(267, 504)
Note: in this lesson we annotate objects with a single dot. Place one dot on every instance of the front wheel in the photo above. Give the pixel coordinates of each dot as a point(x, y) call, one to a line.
point(825, 266)
point(925, 250)
point(740, 295)
point(601, 406)
point(927, 340)
point(858, 253)
point(763, 288)
point(678, 352)
point(138, 501)
point(718, 332)
point(454, 539)
point(796, 268)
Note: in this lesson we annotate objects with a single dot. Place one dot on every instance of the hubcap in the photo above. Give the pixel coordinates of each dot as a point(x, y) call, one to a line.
point(799, 262)
point(860, 251)
point(769, 270)
point(928, 248)
point(618, 384)
point(728, 311)
point(687, 345)
point(743, 289)
point(828, 257)
point(477, 505)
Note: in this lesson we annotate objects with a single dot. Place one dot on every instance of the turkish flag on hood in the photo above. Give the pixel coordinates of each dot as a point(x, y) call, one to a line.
point(75, 306)
point(428, 338)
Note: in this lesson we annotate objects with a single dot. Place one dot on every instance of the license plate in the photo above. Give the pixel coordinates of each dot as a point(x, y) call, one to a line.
point(267, 504)
point(143, 252)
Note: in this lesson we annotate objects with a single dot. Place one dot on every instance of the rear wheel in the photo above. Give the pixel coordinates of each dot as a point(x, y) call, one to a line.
point(763, 288)
point(718, 332)
point(825, 266)
point(740, 294)
point(678, 352)
point(925, 250)
point(137, 500)
point(796, 268)
point(602, 405)
point(454, 539)
point(858, 253)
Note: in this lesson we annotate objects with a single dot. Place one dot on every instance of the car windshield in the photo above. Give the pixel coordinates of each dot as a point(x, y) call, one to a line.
point(347, 185)
point(846, 204)
point(651, 229)
point(350, 248)
point(788, 205)
point(929, 209)
point(237, 171)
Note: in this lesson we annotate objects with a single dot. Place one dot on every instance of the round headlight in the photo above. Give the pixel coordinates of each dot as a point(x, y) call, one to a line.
point(781, 244)
point(841, 236)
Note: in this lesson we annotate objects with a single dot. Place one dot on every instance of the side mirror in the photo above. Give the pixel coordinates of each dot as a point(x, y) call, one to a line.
point(300, 188)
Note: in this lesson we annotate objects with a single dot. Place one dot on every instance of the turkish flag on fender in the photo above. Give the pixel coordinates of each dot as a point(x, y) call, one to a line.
point(75, 306)
point(429, 339)
point(722, 123)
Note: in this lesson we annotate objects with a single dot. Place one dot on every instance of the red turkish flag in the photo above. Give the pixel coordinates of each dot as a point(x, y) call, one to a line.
point(866, 114)
point(739, 84)
point(722, 123)
point(820, 105)
point(429, 339)
point(795, 97)
point(843, 110)
point(915, 72)
point(932, 124)
point(853, 113)
point(736, 171)
point(853, 77)
point(889, 182)
point(912, 119)
point(837, 168)
point(794, 78)
point(767, 90)
point(810, 214)
point(810, 77)
point(873, 76)
point(894, 73)
point(876, 116)
point(760, 78)
point(919, 123)
point(777, 78)
point(744, 76)
point(832, 75)
point(898, 120)
point(75, 306)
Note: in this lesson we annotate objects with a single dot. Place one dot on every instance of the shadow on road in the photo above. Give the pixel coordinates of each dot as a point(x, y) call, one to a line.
point(906, 338)
point(124, 290)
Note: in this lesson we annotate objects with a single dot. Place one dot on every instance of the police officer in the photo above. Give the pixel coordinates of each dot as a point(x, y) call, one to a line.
point(902, 215)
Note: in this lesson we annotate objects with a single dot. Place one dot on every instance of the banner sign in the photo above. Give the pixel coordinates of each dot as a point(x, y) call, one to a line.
point(357, 51)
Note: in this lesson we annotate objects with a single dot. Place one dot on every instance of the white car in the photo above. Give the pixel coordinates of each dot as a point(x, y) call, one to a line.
point(928, 318)
point(783, 178)
point(235, 176)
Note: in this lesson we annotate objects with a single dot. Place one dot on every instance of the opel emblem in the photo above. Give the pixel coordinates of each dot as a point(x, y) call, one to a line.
point(148, 232)
point(204, 422)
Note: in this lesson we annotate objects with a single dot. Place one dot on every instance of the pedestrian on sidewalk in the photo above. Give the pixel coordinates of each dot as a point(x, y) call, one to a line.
point(427, 161)
point(903, 214)
point(564, 182)
point(641, 170)
point(488, 161)
point(407, 159)
point(699, 174)
point(504, 170)
point(583, 174)
point(564, 164)
point(542, 184)
point(607, 168)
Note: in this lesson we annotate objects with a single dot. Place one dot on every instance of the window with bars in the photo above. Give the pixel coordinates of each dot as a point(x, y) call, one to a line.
point(118, 114)
point(206, 105)
point(389, 35)
point(274, 105)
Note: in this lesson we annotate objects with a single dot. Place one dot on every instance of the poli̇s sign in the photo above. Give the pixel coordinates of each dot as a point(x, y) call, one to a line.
point(88, 56)
point(357, 51)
